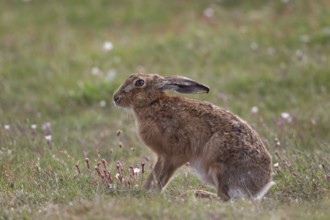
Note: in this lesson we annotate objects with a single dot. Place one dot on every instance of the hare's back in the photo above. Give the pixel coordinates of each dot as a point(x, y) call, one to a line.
point(233, 130)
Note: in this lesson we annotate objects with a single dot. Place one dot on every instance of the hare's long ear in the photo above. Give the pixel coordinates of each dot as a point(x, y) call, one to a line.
point(182, 85)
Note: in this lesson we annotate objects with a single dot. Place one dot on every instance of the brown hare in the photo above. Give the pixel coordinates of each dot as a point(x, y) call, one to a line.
point(223, 149)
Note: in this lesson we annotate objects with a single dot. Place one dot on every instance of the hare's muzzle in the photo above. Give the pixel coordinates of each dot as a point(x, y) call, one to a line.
point(116, 99)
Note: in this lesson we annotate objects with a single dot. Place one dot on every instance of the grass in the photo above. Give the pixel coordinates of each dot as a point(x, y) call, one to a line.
point(273, 55)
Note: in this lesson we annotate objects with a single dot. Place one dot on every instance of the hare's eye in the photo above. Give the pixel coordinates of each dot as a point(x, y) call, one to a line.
point(139, 82)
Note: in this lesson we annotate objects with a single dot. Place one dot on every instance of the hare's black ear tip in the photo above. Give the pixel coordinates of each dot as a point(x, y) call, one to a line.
point(206, 89)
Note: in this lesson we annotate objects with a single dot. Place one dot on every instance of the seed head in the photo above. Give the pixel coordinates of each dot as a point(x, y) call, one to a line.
point(78, 169)
point(104, 162)
point(87, 164)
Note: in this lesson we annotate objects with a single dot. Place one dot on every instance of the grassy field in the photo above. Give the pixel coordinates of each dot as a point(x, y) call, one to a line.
point(61, 61)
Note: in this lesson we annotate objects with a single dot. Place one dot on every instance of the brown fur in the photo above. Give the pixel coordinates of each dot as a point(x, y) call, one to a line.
point(223, 148)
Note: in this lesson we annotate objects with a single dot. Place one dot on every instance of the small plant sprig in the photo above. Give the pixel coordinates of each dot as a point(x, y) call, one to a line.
point(114, 176)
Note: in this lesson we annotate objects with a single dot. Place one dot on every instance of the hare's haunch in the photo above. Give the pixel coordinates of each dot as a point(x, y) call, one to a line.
point(224, 150)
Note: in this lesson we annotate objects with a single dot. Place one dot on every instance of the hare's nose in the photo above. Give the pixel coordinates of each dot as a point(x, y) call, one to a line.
point(116, 99)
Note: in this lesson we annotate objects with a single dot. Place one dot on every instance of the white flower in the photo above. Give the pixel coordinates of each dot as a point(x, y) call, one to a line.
point(111, 75)
point(95, 70)
point(48, 138)
point(254, 46)
point(136, 170)
point(209, 12)
point(34, 126)
point(286, 116)
point(117, 176)
point(107, 46)
point(7, 127)
point(276, 165)
point(254, 109)
point(103, 103)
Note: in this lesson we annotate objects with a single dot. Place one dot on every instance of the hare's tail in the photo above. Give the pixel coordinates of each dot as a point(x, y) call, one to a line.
point(264, 190)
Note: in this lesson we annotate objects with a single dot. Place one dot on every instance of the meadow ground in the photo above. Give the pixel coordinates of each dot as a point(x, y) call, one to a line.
point(60, 62)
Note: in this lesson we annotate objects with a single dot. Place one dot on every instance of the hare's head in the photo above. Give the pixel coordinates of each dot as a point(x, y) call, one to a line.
point(141, 89)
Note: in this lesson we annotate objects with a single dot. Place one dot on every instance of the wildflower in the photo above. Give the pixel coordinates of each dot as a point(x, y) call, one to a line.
point(254, 109)
point(105, 172)
point(209, 12)
point(87, 164)
point(95, 70)
point(7, 127)
point(48, 138)
point(104, 162)
point(46, 127)
point(107, 46)
point(286, 116)
point(96, 168)
point(136, 170)
point(111, 75)
point(276, 165)
point(34, 127)
point(119, 166)
point(78, 169)
point(277, 142)
point(103, 104)
point(287, 163)
point(119, 177)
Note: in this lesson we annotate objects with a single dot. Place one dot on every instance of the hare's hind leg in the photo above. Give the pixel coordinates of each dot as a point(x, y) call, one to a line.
point(217, 171)
point(216, 168)
point(161, 173)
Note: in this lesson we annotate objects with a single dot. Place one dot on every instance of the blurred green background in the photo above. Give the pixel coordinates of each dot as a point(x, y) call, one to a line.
point(60, 62)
